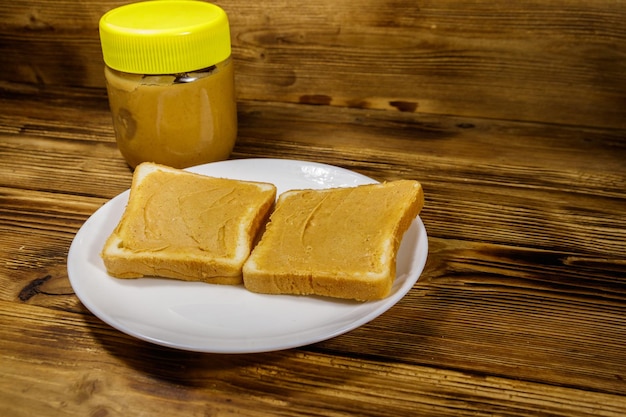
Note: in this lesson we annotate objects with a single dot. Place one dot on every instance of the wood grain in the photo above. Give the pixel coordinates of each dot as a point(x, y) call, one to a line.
point(511, 115)
point(524, 280)
point(101, 378)
point(558, 62)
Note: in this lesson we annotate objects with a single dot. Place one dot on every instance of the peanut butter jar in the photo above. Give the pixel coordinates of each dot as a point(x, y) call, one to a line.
point(170, 81)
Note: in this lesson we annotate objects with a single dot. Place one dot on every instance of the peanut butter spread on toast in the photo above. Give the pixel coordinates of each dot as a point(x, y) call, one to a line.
point(344, 230)
point(182, 212)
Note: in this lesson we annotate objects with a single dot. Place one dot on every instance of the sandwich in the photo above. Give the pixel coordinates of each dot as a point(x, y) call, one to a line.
point(187, 226)
point(339, 242)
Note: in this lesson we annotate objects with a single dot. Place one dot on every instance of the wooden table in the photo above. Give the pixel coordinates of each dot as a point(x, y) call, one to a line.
point(521, 309)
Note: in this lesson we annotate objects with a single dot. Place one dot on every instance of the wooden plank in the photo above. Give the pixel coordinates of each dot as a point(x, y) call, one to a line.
point(106, 372)
point(537, 315)
point(557, 62)
point(521, 309)
point(486, 59)
point(526, 231)
point(37, 230)
point(558, 186)
point(544, 316)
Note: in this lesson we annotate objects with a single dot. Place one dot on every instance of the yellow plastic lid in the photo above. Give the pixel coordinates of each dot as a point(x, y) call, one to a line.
point(164, 36)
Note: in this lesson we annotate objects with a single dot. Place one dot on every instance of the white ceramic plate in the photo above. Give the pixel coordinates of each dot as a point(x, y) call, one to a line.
point(229, 319)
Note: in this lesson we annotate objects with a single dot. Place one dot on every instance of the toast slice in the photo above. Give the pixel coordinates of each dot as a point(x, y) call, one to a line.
point(187, 226)
point(339, 242)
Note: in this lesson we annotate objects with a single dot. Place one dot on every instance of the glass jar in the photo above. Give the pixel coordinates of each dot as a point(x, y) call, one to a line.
point(170, 81)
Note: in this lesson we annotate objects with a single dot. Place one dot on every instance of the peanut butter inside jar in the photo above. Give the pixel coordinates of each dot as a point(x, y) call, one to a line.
point(170, 82)
point(177, 120)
